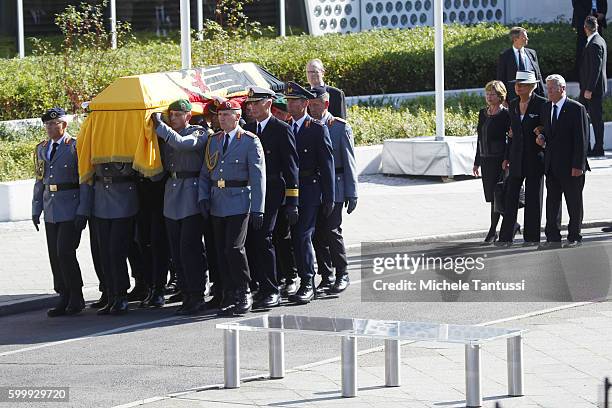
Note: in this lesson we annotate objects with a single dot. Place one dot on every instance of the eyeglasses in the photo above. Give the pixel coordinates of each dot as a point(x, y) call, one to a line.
point(313, 72)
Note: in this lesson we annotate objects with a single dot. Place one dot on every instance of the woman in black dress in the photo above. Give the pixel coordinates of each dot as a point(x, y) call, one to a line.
point(493, 125)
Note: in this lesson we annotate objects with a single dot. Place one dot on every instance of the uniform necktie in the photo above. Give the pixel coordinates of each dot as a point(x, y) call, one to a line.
point(259, 129)
point(295, 128)
point(225, 143)
point(553, 121)
point(521, 65)
point(53, 150)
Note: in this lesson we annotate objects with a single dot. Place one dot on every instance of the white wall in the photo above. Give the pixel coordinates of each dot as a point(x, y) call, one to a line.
point(518, 11)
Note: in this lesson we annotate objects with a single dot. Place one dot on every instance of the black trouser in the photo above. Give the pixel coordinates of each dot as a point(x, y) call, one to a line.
point(262, 254)
point(185, 238)
point(571, 188)
point(114, 238)
point(230, 237)
point(151, 233)
point(595, 109)
point(211, 252)
point(534, 188)
point(285, 259)
point(135, 257)
point(94, 246)
point(328, 242)
point(581, 40)
point(62, 242)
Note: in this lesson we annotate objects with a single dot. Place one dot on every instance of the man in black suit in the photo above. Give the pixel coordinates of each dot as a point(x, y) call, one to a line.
point(278, 142)
point(565, 140)
point(583, 9)
point(593, 81)
point(337, 101)
point(518, 58)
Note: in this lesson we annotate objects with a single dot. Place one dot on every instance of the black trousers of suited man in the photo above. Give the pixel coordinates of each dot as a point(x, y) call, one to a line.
point(230, 237)
point(261, 253)
point(571, 188)
point(328, 242)
point(187, 251)
point(285, 258)
point(595, 109)
point(63, 238)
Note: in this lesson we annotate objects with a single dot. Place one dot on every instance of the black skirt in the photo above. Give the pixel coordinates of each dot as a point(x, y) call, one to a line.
point(490, 170)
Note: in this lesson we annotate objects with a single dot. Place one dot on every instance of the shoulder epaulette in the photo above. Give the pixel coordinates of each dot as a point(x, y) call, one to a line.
point(69, 139)
point(253, 135)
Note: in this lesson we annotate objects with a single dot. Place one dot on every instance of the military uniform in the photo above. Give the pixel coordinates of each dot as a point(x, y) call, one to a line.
point(59, 195)
point(183, 156)
point(281, 160)
point(328, 241)
point(114, 206)
point(233, 184)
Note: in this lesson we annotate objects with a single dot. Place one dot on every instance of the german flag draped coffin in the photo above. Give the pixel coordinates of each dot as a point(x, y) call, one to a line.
point(119, 128)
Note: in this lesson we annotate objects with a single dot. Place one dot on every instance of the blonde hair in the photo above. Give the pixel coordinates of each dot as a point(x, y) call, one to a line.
point(498, 87)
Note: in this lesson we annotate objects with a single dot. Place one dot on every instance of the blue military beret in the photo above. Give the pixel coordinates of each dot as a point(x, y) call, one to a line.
point(295, 91)
point(54, 114)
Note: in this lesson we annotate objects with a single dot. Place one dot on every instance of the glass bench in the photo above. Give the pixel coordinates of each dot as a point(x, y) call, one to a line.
point(392, 332)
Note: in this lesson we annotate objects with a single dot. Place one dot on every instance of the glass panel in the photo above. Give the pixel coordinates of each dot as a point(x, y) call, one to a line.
point(371, 328)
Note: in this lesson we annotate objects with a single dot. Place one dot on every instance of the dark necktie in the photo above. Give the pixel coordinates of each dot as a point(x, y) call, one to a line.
point(225, 143)
point(521, 65)
point(295, 128)
point(553, 121)
point(259, 129)
point(53, 150)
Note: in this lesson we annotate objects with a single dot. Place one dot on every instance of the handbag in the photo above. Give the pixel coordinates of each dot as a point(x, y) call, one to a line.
point(499, 194)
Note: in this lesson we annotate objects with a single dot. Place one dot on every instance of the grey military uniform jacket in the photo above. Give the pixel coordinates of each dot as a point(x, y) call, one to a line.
point(341, 136)
point(182, 152)
point(115, 198)
point(243, 160)
point(59, 205)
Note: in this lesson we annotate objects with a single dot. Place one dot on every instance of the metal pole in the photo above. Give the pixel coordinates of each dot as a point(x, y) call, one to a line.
point(281, 23)
point(392, 363)
point(231, 359)
point(20, 31)
point(514, 356)
point(185, 35)
point(113, 18)
point(439, 66)
point(276, 356)
point(200, 10)
point(349, 366)
point(473, 397)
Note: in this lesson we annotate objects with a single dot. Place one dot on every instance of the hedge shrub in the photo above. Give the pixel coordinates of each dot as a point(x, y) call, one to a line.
point(383, 61)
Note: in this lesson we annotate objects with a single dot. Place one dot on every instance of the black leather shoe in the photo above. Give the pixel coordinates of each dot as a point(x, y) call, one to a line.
point(76, 303)
point(531, 243)
point(243, 302)
point(60, 307)
point(491, 237)
point(289, 288)
point(327, 282)
point(228, 304)
point(145, 302)
point(107, 307)
point(572, 244)
point(503, 244)
point(304, 295)
point(139, 292)
point(342, 282)
point(268, 301)
point(100, 303)
point(606, 229)
point(190, 306)
point(157, 298)
point(120, 305)
point(215, 302)
point(177, 297)
point(549, 245)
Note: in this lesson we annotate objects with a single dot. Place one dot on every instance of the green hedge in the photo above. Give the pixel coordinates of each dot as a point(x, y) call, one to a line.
point(384, 61)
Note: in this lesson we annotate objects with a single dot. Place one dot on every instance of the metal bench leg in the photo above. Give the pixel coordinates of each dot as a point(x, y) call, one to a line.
point(276, 357)
point(231, 359)
point(392, 363)
point(515, 365)
point(349, 366)
point(472, 375)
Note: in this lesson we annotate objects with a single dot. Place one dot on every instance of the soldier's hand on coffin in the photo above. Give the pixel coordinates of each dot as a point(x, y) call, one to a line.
point(328, 208)
point(80, 222)
point(204, 208)
point(157, 118)
point(257, 219)
point(350, 204)
point(291, 211)
point(36, 221)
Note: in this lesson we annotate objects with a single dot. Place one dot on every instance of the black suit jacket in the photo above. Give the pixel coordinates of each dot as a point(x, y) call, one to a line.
point(593, 67)
point(337, 102)
point(507, 67)
point(526, 157)
point(281, 159)
point(566, 144)
point(582, 9)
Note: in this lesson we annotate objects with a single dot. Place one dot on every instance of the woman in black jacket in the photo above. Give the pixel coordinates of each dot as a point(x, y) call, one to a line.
point(493, 125)
point(525, 161)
